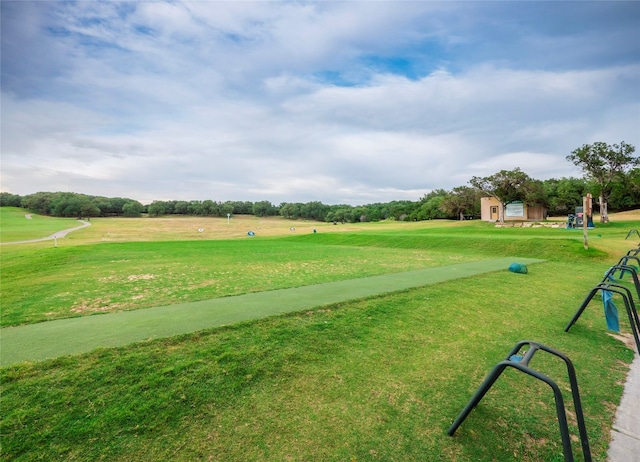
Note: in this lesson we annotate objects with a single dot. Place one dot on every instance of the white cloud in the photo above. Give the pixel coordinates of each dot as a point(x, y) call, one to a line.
point(293, 101)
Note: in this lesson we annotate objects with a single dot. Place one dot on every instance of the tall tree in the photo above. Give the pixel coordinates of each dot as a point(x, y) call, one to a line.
point(429, 206)
point(132, 209)
point(625, 194)
point(181, 208)
point(10, 200)
point(461, 201)
point(604, 164)
point(210, 208)
point(264, 209)
point(564, 194)
point(314, 210)
point(39, 202)
point(506, 186)
point(157, 208)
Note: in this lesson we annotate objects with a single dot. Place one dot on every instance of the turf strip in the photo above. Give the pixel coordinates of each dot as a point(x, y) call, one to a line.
point(35, 342)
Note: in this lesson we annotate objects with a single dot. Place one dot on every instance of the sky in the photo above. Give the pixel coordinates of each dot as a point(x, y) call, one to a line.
point(339, 102)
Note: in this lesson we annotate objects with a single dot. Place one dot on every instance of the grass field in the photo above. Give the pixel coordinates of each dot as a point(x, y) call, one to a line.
point(18, 225)
point(379, 378)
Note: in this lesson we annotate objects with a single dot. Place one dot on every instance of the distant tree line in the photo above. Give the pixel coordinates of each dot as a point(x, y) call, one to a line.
point(68, 204)
point(609, 175)
point(560, 196)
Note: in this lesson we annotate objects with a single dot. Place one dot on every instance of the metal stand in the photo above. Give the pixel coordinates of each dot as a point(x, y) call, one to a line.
point(623, 267)
point(633, 252)
point(625, 260)
point(521, 363)
point(631, 232)
point(630, 306)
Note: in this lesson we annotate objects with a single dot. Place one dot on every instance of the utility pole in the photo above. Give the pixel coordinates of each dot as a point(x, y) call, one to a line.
point(586, 217)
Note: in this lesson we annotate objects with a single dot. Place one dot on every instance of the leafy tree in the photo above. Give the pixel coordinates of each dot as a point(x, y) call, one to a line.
point(290, 210)
point(534, 193)
point(39, 202)
point(68, 204)
point(227, 209)
point(360, 214)
point(10, 200)
point(432, 209)
point(341, 213)
point(314, 211)
point(331, 216)
point(105, 206)
point(181, 208)
point(604, 164)
point(264, 208)
point(374, 212)
point(506, 186)
point(88, 209)
point(398, 210)
point(73, 205)
point(285, 210)
point(429, 206)
point(157, 208)
point(461, 201)
point(625, 194)
point(110, 206)
point(195, 208)
point(564, 194)
point(210, 208)
point(240, 207)
point(132, 209)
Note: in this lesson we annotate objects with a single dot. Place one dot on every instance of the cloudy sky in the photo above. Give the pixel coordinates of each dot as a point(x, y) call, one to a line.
point(341, 102)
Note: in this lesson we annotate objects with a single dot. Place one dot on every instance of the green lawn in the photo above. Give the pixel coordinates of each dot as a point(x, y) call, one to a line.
point(46, 340)
point(15, 226)
point(379, 378)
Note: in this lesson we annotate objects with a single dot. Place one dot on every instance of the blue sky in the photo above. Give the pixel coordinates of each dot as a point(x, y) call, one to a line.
point(341, 102)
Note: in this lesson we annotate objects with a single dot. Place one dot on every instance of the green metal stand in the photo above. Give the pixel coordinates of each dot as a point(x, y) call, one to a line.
point(521, 363)
point(631, 232)
point(610, 283)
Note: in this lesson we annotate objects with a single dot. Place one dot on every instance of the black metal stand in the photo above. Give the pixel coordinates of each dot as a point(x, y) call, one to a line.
point(624, 267)
point(634, 251)
point(625, 260)
point(521, 363)
point(614, 287)
point(631, 232)
point(630, 306)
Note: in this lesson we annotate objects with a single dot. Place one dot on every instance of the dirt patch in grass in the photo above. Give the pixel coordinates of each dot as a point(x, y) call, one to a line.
point(136, 277)
point(84, 308)
point(625, 338)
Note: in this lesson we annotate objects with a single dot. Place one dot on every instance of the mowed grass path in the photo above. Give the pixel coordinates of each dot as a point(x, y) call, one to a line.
point(377, 378)
point(80, 335)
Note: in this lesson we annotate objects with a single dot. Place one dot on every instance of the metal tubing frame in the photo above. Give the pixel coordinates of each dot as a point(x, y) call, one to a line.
point(623, 267)
point(625, 260)
point(631, 232)
point(523, 366)
point(634, 251)
point(628, 303)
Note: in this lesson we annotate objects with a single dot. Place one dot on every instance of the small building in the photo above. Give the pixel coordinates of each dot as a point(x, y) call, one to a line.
point(514, 211)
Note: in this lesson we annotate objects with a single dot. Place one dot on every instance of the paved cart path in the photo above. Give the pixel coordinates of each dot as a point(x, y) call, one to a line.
point(57, 235)
point(625, 434)
point(51, 339)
